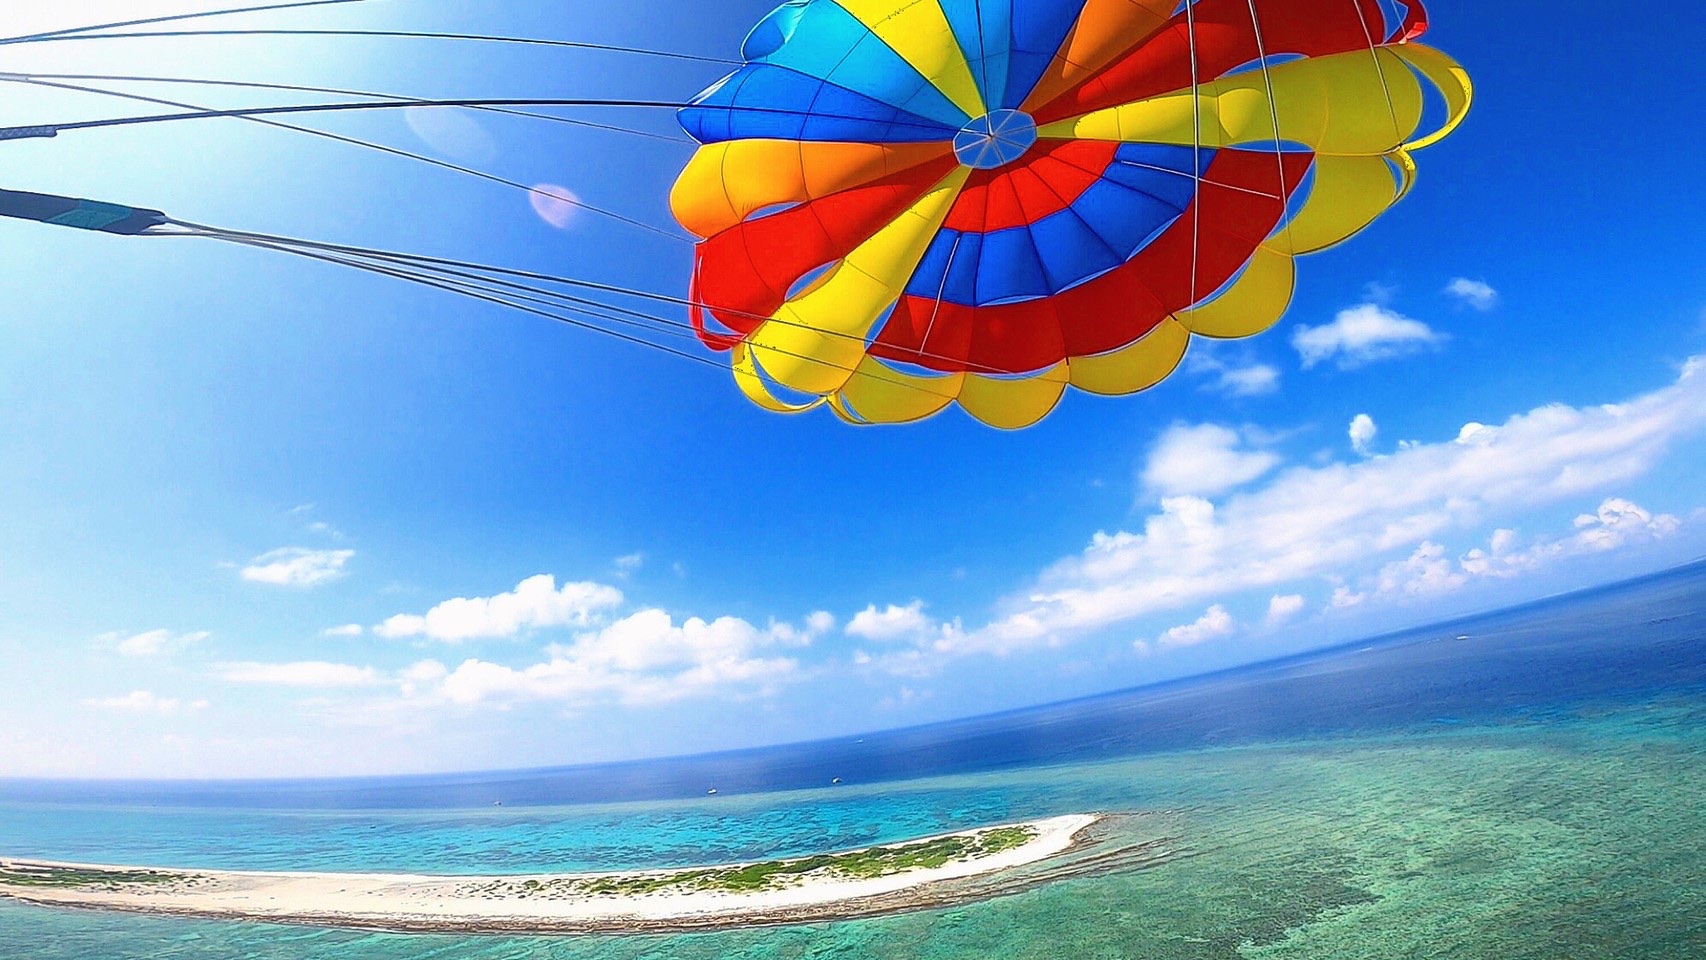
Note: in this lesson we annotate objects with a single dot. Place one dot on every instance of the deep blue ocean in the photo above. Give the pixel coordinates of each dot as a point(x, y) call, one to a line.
point(1550, 757)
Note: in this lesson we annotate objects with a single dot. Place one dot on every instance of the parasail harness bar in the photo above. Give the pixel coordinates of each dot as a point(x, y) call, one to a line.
point(81, 214)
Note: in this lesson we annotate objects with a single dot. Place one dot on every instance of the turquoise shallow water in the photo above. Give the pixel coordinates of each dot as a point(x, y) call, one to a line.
point(1571, 827)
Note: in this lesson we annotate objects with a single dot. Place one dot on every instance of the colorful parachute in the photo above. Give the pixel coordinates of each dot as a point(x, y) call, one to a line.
point(908, 203)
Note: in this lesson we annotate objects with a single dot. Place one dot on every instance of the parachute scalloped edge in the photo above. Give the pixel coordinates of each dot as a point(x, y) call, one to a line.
point(860, 255)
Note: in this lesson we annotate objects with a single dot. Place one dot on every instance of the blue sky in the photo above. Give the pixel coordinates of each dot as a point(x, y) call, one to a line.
point(240, 495)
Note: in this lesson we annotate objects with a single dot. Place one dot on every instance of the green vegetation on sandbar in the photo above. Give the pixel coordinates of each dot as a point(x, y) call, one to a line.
point(28, 875)
point(858, 865)
point(773, 874)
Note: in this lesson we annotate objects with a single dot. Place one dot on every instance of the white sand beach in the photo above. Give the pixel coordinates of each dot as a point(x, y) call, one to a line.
point(694, 898)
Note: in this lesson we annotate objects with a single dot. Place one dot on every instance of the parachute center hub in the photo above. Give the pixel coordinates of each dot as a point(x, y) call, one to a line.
point(995, 139)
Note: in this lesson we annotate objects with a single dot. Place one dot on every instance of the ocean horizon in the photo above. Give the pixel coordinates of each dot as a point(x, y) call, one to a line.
point(1429, 778)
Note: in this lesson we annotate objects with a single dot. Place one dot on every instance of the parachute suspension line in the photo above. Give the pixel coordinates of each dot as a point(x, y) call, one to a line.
point(353, 141)
point(470, 103)
point(252, 112)
point(469, 280)
point(334, 91)
point(1196, 145)
point(1380, 70)
point(444, 265)
point(941, 291)
point(1236, 188)
point(982, 53)
point(442, 274)
point(1273, 120)
point(403, 266)
point(71, 32)
point(514, 302)
point(396, 34)
point(474, 290)
point(466, 290)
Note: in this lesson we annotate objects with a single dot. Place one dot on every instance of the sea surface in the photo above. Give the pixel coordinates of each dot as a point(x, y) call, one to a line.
point(1526, 784)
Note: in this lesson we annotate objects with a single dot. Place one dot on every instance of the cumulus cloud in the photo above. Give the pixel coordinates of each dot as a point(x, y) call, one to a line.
point(1363, 431)
point(346, 630)
point(1429, 572)
point(1344, 598)
point(1474, 293)
point(1426, 573)
point(1212, 625)
point(535, 603)
point(1283, 607)
point(891, 622)
point(628, 564)
point(297, 567)
point(1363, 334)
point(907, 634)
point(643, 658)
point(1320, 521)
point(1203, 460)
point(301, 673)
point(152, 643)
point(1255, 380)
point(1617, 522)
point(1233, 379)
point(142, 701)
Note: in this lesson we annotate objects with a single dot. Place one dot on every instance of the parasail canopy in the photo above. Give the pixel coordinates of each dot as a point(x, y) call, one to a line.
point(905, 204)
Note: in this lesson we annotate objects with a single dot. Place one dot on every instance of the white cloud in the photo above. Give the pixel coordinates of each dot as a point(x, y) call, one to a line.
point(152, 643)
point(907, 633)
point(1233, 379)
point(1475, 434)
point(643, 658)
point(302, 673)
point(346, 630)
point(1213, 625)
point(297, 567)
point(1363, 431)
point(1203, 460)
point(1426, 573)
point(1322, 521)
point(1500, 559)
point(1344, 598)
point(142, 701)
point(1255, 380)
point(1283, 607)
point(1363, 334)
point(628, 564)
point(535, 603)
point(1617, 522)
point(1474, 293)
point(891, 622)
